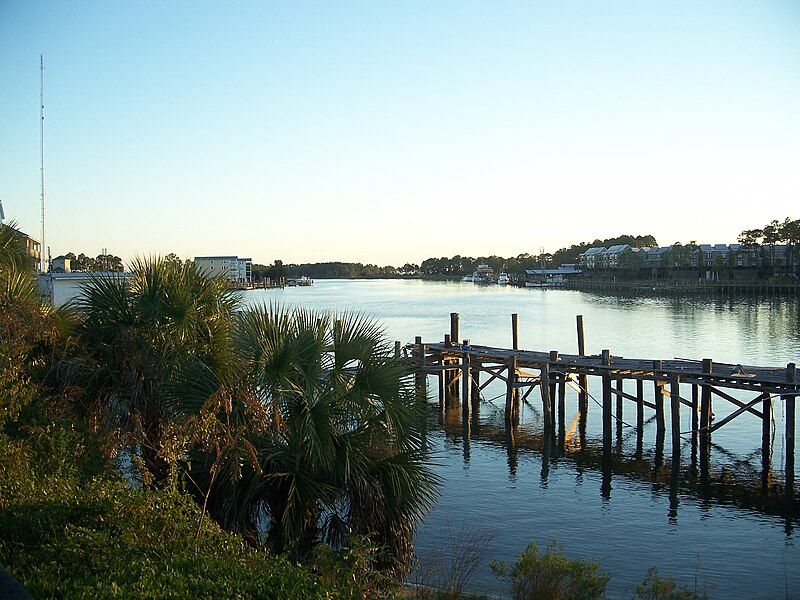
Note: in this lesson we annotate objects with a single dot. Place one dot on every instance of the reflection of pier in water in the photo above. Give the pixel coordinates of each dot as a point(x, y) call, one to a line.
point(737, 483)
point(458, 368)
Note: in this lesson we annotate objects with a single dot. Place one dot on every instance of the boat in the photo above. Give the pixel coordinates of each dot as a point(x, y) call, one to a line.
point(300, 281)
point(483, 274)
point(502, 279)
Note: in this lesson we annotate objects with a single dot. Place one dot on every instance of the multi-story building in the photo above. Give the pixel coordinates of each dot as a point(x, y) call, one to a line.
point(33, 247)
point(592, 258)
point(233, 268)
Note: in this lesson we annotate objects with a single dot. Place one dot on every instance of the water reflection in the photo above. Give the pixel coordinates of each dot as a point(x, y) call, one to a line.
point(727, 480)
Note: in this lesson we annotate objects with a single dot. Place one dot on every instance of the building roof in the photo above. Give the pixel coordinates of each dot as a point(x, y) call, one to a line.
point(216, 257)
point(617, 249)
point(84, 274)
point(595, 250)
point(21, 233)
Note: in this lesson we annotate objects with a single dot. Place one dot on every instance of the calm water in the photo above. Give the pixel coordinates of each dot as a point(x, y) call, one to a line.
point(734, 531)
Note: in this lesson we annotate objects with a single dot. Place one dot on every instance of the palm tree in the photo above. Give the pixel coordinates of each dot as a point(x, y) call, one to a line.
point(134, 331)
point(321, 434)
point(13, 255)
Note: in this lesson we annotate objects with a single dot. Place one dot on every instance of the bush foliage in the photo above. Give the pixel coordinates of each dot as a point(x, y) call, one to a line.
point(67, 534)
point(552, 576)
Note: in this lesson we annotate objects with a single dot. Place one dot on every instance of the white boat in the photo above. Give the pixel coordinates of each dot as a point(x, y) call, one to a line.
point(468, 278)
point(302, 281)
point(502, 279)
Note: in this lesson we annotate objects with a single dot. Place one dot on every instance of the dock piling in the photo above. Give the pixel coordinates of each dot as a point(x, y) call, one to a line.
point(659, 397)
point(547, 402)
point(791, 377)
point(606, 359)
point(466, 383)
point(705, 405)
point(515, 331)
point(675, 413)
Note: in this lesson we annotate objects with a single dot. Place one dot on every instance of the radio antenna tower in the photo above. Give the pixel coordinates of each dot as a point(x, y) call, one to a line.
point(42, 259)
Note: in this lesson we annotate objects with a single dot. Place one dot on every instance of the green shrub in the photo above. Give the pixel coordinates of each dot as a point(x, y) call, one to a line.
point(552, 576)
point(64, 536)
point(665, 588)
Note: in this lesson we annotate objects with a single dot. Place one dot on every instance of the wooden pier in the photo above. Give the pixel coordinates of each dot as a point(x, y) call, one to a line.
point(677, 385)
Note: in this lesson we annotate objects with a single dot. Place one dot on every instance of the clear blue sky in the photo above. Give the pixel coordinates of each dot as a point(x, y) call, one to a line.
point(389, 132)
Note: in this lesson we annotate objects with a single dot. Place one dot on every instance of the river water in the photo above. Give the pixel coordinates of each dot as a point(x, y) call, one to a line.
point(733, 532)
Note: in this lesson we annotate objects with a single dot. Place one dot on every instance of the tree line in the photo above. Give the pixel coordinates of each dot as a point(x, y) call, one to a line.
point(102, 262)
point(456, 266)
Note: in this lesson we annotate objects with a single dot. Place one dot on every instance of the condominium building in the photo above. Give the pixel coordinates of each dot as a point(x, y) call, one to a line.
point(233, 268)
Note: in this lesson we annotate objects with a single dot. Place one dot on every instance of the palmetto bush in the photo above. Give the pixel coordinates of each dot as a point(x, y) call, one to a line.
point(310, 433)
point(133, 333)
point(289, 427)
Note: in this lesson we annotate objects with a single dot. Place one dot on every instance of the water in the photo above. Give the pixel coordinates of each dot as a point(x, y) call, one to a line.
point(733, 531)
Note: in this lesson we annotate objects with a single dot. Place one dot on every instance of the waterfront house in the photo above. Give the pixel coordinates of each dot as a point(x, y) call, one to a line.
point(591, 259)
point(558, 275)
point(613, 257)
point(235, 269)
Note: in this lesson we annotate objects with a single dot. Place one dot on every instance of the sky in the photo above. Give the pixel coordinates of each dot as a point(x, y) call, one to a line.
point(389, 132)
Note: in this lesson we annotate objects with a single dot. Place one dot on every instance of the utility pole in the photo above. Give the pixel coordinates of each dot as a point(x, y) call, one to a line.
point(42, 259)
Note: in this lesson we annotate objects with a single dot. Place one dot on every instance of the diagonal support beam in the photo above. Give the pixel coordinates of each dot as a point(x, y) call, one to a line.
point(736, 413)
point(733, 400)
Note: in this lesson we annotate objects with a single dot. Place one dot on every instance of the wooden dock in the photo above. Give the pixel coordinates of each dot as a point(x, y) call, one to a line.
point(676, 385)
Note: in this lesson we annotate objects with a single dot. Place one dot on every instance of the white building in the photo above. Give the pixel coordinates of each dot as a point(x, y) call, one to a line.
point(239, 270)
point(60, 288)
point(61, 264)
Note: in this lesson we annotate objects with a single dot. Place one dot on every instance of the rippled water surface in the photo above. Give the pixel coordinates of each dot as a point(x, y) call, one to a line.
point(732, 529)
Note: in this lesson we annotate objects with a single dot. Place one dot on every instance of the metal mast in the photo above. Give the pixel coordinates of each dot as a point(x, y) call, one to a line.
point(42, 259)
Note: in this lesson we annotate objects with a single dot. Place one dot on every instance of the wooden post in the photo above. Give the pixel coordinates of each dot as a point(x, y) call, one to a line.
point(553, 382)
point(639, 404)
point(695, 413)
point(583, 381)
point(675, 413)
point(791, 377)
point(515, 331)
point(766, 430)
point(547, 406)
point(475, 393)
point(705, 404)
point(466, 387)
point(454, 327)
point(562, 409)
point(659, 398)
point(606, 357)
point(620, 388)
point(397, 349)
point(446, 374)
point(421, 378)
point(510, 395)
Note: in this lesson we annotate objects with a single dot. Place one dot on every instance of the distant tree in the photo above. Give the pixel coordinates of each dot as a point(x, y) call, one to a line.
point(632, 261)
point(108, 262)
point(276, 270)
point(772, 235)
point(173, 258)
